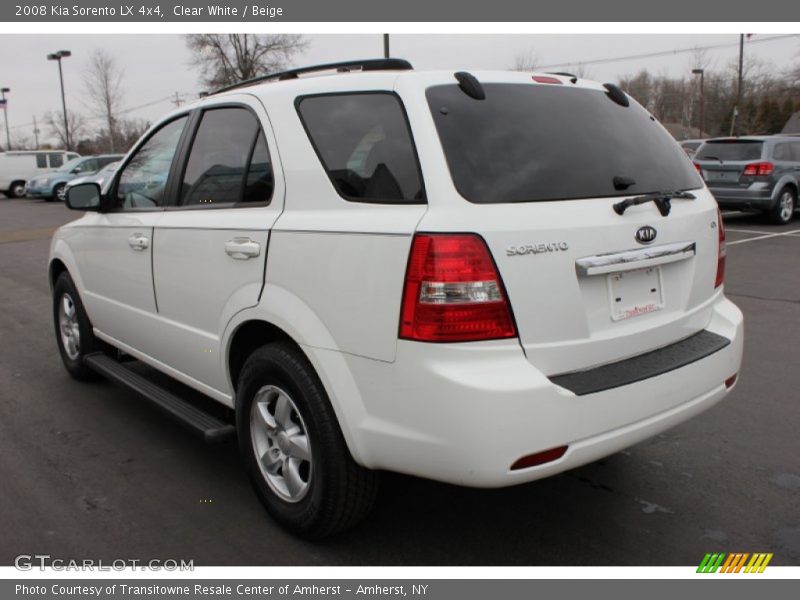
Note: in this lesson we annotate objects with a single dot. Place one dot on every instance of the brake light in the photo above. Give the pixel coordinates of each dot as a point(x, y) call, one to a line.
point(721, 252)
point(758, 169)
point(699, 168)
point(546, 79)
point(453, 292)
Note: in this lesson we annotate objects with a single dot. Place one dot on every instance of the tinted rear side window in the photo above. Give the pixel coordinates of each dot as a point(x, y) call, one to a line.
point(41, 161)
point(527, 143)
point(218, 163)
point(732, 150)
point(365, 145)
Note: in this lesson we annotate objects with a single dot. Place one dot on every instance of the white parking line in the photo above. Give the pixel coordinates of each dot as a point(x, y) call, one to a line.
point(763, 237)
point(751, 231)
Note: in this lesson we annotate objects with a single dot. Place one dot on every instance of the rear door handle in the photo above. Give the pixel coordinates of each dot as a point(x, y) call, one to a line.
point(138, 241)
point(242, 248)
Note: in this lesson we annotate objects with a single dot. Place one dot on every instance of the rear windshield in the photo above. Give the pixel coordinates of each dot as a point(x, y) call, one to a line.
point(527, 143)
point(730, 150)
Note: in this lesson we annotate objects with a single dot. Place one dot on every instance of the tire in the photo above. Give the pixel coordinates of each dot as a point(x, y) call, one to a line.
point(75, 344)
point(784, 209)
point(17, 190)
point(59, 193)
point(306, 477)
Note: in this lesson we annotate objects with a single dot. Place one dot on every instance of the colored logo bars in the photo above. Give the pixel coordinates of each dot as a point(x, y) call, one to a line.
point(735, 562)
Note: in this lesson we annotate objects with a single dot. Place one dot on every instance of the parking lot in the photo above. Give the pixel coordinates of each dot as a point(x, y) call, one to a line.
point(90, 471)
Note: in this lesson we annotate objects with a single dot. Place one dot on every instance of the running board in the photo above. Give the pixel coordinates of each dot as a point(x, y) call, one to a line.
point(210, 428)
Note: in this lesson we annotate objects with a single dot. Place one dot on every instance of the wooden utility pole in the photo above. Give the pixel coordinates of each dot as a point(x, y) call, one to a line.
point(35, 132)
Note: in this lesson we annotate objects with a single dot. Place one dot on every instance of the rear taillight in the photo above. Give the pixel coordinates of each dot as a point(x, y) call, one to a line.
point(453, 292)
point(699, 168)
point(758, 169)
point(721, 252)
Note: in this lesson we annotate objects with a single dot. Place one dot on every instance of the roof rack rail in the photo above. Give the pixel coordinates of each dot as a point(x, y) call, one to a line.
point(370, 64)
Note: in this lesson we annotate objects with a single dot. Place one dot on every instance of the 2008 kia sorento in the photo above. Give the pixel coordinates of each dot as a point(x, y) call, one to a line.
point(481, 278)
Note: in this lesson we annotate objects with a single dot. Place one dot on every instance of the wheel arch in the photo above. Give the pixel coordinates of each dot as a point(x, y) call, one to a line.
point(284, 318)
point(54, 271)
point(248, 337)
point(783, 183)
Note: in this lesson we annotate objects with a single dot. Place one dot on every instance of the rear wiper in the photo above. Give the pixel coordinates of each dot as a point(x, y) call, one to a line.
point(661, 199)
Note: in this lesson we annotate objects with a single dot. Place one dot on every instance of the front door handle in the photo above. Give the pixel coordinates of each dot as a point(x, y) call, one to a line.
point(242, 248)
point(138, 241)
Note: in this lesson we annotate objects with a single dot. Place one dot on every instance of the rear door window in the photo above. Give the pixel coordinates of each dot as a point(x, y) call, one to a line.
point(796, 151)
point(529, 143)
point(730, 150)
point(364, 143)
point(41, 161)
point(56, 159)
point(220, 169)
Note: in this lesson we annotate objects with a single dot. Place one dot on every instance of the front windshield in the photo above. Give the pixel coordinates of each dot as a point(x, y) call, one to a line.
point(68, 166)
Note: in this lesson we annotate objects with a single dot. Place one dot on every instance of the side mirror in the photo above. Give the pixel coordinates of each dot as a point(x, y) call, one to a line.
point(84, 196)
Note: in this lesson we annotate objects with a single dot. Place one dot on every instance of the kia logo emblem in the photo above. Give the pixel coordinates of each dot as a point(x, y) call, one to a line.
point(646, 234)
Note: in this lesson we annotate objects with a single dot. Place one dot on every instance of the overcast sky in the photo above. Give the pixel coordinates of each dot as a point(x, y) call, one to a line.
point(157, 66)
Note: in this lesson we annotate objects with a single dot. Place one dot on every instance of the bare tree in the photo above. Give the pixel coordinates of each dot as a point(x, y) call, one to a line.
point(103, 83)
point(224, 59)
point(22, 141)
point(55, 123)
point(583, 72)
point(526, 61)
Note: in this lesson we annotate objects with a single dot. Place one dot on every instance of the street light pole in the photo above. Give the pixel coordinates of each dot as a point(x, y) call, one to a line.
point(385, 45)
point(739, 84)
point(58, 56)
point(5, 116)
point(701, 72)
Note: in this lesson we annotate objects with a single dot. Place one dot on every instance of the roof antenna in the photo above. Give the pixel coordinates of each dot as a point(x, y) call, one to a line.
point(470, 85)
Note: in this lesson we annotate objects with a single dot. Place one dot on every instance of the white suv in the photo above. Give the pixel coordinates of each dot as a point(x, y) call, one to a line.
point(480, 278)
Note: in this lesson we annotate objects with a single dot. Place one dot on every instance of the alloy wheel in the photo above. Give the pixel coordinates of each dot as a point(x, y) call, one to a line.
point(69, 327)
point(281, 443)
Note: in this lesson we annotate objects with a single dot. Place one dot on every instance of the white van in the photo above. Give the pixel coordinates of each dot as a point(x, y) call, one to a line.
point(17, 167)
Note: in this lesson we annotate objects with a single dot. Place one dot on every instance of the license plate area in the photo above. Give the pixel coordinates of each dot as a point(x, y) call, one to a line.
point(722, 175)
point(634, 293)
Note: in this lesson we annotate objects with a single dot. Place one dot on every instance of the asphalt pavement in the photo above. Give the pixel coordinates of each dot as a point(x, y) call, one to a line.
point(91, 471)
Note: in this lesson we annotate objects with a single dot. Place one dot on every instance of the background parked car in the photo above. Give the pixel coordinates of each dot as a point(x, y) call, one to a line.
point(18, 167)
point(754, 172)
point(101, 177)
point(54, 186)
point(691, 146)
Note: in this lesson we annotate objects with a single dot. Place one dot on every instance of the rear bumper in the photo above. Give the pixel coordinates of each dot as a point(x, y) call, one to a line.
point(464, 413)
point(757, 196)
